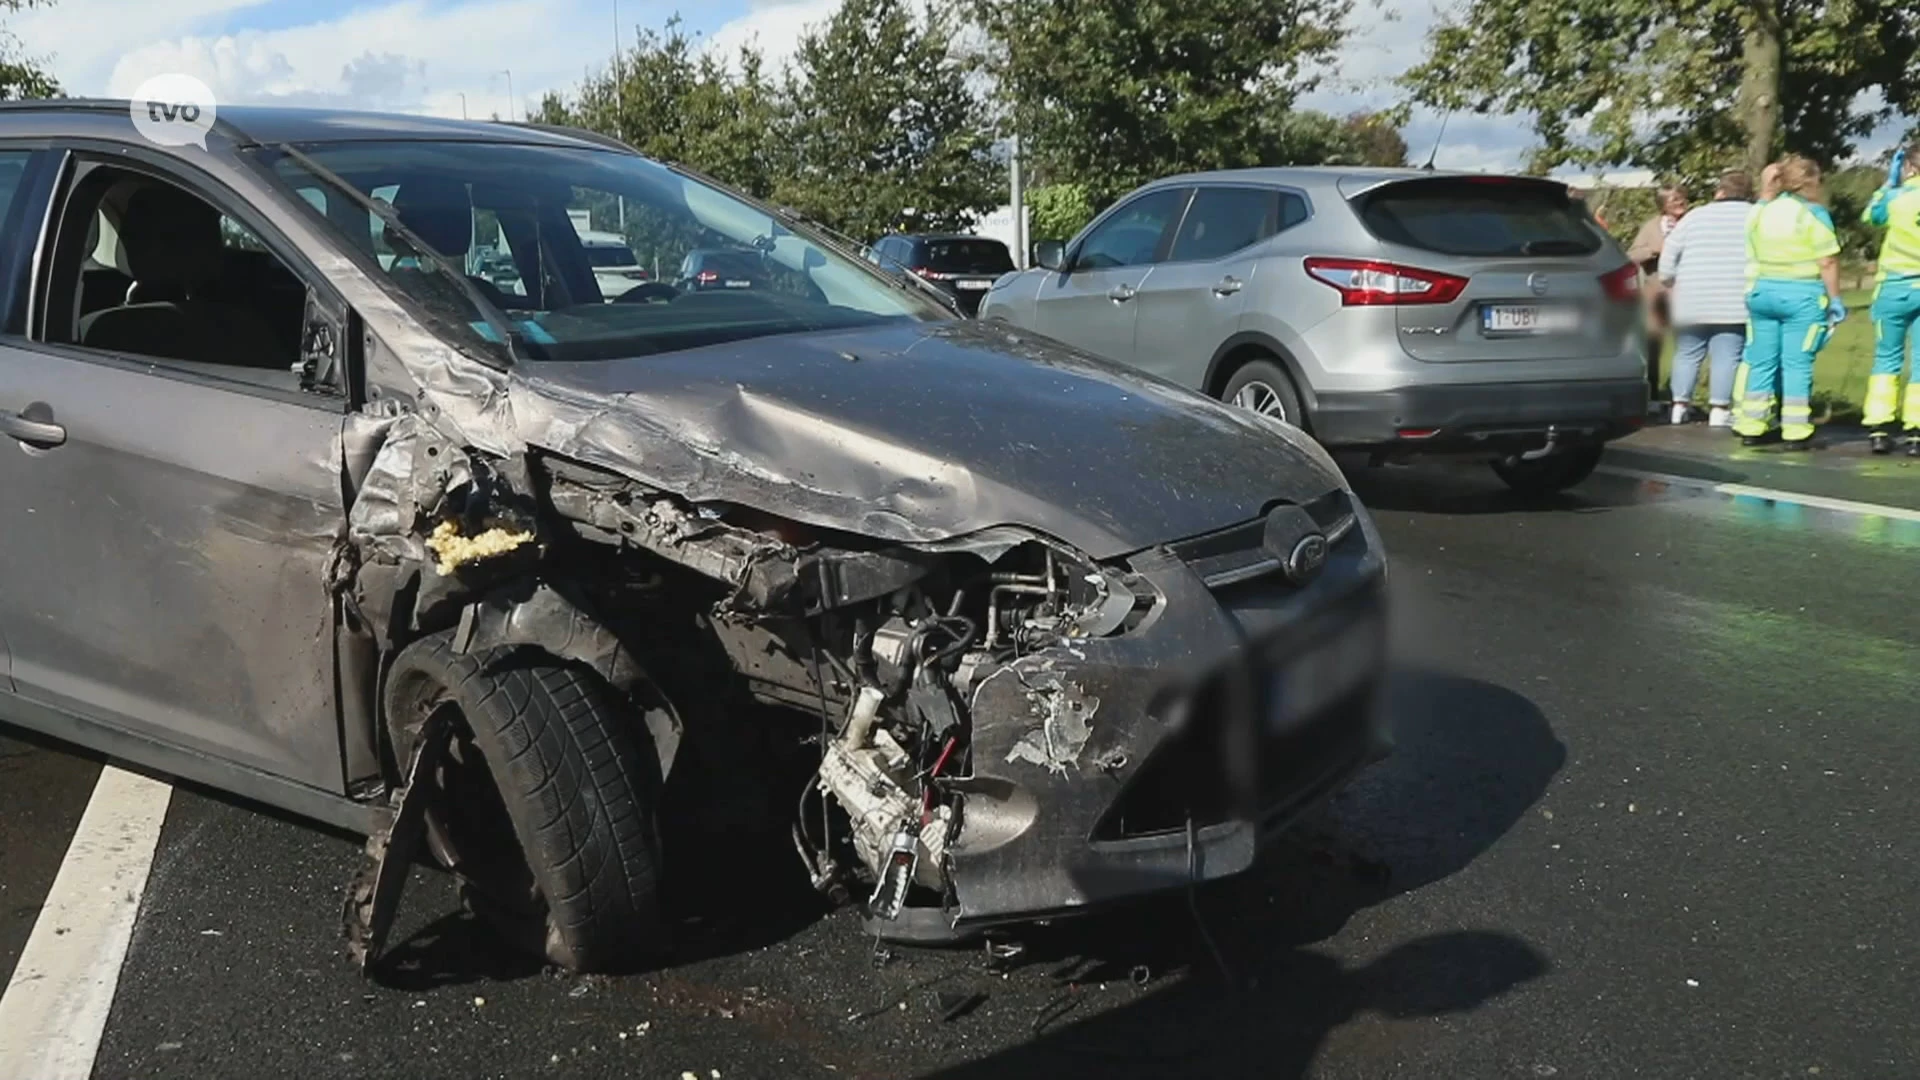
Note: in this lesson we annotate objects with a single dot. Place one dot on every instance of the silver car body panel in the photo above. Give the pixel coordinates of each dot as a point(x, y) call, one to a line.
point(1185, 332)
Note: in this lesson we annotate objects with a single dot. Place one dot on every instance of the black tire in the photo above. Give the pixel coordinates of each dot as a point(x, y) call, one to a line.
point(546, 808)
point(1551, 474)
point(1265, 383)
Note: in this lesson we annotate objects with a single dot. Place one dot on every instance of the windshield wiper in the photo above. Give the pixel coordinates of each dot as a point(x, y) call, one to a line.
point(495, 319)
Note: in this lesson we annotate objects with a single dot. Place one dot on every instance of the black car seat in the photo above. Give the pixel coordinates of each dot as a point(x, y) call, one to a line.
point(439, 212)
point(173, 252)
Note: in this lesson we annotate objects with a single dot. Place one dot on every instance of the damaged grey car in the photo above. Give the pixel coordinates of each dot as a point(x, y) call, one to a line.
point(310, 501)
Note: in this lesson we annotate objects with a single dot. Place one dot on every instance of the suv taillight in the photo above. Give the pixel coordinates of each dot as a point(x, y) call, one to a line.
point(1369, 282)
point(1622, 284)
point(706, 277)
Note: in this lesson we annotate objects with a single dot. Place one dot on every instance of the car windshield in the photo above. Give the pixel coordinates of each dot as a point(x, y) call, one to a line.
point(968, 256)
point(1480, 216)
point(608, 255)
point(465, 199)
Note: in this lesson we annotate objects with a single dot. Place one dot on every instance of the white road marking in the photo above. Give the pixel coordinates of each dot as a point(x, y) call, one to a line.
point(55, 1007)
point(1818, 502)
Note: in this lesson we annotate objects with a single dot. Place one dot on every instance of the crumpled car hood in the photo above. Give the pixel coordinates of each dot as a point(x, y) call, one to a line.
point(922, 432)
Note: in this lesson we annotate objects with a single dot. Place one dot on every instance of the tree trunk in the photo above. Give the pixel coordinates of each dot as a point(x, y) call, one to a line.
point(1760, 84)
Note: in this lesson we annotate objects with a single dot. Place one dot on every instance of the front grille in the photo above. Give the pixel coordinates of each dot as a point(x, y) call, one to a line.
point(1240, 554)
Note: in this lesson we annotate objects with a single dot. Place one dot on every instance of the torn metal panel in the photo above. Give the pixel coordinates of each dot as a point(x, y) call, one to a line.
point(765, 572)
point(1062, 709)
point(373, 898)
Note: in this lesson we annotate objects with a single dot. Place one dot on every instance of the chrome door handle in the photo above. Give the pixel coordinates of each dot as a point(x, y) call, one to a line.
point(34, 426)
point(1228, 286)
point(1120, 294)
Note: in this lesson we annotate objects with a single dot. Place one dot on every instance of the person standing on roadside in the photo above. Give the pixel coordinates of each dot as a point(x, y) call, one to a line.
point(1704, 266)
point(1648, 243)
point(1896, 304)
point(1792, 307)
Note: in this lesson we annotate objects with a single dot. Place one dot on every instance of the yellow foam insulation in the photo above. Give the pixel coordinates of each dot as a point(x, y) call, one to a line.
point(456, 550)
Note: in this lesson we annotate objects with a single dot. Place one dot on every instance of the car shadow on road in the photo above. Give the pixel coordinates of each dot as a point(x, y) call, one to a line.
point(1447, 488)
point(1249, 994)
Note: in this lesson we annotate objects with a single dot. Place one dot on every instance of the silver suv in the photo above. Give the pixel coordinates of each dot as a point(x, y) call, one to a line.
point(1392, 310)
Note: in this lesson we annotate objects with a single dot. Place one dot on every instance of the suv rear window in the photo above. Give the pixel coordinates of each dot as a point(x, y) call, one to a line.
point(968, 256)
point(1479, 217)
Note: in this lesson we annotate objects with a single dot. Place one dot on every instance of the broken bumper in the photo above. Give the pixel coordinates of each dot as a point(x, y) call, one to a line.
point(1210, 727)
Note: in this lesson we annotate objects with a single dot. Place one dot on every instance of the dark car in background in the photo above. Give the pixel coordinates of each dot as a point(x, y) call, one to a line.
point(722, 268)
point(964, 266)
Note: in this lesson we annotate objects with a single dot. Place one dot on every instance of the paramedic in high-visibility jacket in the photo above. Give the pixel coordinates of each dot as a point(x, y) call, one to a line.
point(1792, 305)
point(1896, 305)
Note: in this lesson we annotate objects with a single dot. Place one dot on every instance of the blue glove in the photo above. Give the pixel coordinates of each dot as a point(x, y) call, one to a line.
point(1896, 172)
point(1836, 311)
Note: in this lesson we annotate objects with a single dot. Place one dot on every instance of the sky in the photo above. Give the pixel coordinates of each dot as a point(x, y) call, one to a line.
point(486, 57)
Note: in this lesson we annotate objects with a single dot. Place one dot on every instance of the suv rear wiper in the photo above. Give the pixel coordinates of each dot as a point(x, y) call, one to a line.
point(1555, 247)
point(495, 319)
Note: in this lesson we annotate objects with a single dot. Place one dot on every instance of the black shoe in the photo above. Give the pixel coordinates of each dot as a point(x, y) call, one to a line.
point(1880, 442)
point(1913, 446)
point(1760, 440)
point(1796, 446)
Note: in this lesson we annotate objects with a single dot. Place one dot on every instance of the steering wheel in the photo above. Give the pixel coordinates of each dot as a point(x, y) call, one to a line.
point(648, 293)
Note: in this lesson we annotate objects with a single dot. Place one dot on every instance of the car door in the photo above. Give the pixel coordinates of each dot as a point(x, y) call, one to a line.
point(1090, 303)
point(1193, 300)
point(170, 519)
point(23, 180)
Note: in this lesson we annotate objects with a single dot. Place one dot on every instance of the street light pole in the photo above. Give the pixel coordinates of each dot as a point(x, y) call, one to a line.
point(1019, 207)
point(508, 72)
point(463, 103)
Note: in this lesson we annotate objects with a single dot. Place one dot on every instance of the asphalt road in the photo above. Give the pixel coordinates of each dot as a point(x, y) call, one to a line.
point(1652, 813)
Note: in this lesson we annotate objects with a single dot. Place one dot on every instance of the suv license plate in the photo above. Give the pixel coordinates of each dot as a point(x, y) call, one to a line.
point(1527, 319)
point(972, 286)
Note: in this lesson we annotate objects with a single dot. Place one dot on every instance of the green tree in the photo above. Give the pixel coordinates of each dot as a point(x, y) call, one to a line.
point(1374, 139)
point(1849, 191)
point(677, 104)
point(21, 75)
point(1684, 87)
point(1059, 210)
point(1111, 95)
point(884, 131)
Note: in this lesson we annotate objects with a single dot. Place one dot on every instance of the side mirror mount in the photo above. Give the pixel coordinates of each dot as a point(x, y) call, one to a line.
point(1050, 254)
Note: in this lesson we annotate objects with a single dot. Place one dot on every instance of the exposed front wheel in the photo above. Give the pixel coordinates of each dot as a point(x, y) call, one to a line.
point(1261, 386)
point(1551, 474)
point(545, 804)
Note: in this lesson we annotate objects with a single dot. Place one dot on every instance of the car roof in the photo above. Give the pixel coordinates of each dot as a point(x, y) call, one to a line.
point(943, 236)
point(257, 124)
point(1312, 177)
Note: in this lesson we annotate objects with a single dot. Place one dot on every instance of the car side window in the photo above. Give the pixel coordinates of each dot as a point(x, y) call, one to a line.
point(1224, 220)
point(13, 171)
point(1131, 235)
point(144, 267)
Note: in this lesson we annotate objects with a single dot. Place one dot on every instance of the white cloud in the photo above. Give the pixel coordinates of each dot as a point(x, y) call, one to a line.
point(773, 27)
point(409, 55)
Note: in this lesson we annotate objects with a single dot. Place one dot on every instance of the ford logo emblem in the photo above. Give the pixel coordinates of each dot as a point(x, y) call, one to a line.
point(1306, 559)
point(1537, 284)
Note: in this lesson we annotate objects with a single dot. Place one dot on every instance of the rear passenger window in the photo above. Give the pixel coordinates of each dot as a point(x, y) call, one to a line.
point(1225, 220)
